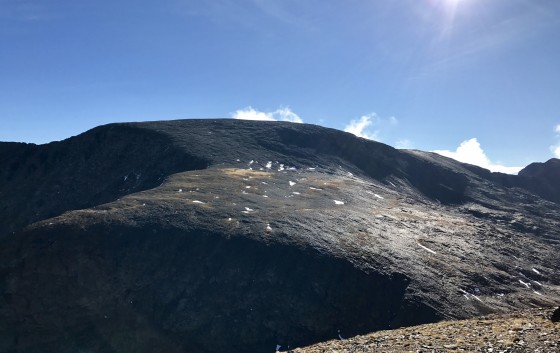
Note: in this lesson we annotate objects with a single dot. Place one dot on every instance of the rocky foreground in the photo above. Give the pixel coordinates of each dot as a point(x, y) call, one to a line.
point(523, 331)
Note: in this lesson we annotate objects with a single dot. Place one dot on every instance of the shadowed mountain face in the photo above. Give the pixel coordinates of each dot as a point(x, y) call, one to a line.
point(221, 236)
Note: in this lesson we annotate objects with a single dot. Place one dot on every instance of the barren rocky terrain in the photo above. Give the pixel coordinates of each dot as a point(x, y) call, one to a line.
point(521, 331)
point(228, 236)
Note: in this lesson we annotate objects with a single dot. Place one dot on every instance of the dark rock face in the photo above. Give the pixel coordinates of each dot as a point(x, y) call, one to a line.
point(251, 234)
point(555, 315)
point(39, 182)
point(198, 292)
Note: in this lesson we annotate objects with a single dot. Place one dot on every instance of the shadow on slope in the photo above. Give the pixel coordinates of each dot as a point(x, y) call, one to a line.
point(42, 181)
point(133, 289)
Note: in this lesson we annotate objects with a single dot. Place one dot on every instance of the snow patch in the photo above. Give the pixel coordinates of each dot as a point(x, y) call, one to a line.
point(196, 201)
point(536, 271)
point(525, 284)
point(268, 228)
point(268, 165)
point(312, 188)
point(336, 202)
point(296, 193)
point(281, 168)
point(292, 183)
point(426, 248)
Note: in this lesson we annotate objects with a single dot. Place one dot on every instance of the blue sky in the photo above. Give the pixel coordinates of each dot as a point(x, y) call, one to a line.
point(479, 75)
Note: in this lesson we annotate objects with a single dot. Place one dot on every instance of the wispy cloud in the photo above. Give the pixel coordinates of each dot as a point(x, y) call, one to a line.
point(471, 152)
point(460, 43)
point(403, 144)
point(280, 114)
point(24, 10)
point(368, 126)
point(556, 148)
point(246, 13)
point(361, 126)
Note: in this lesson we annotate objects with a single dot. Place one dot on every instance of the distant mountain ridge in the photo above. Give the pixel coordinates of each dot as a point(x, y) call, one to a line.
point(228, 235)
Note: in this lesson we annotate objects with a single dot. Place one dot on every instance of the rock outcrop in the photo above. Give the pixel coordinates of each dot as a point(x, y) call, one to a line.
point(223, 235)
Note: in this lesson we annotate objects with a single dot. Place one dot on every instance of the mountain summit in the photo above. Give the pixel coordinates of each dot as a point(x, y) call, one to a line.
point(229, 236)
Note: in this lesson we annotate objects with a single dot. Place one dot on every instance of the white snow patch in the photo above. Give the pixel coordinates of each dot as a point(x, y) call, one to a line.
point(251, 162)
point(229, 219)
point(477, 298)
point(265, 195)
point(336, 202)
point(310, 168)
point(292, 183)
point(268, 165)
point(537, 292)
point(292, 168)
point(350, 174)
point(247, 187)
point(264, 183)
point(281, 168)
point(378, 196)
point(539, 283)
point(393, 184)
point(196, 201)
point(525, 283)
point(245, 192)
point(248, 209)
point(536, 271)
point(296, 193)
point(125, 177)
point(425, 248)
point(268, 228)
point(237, 160)
point(312, 188)
point(180, 190)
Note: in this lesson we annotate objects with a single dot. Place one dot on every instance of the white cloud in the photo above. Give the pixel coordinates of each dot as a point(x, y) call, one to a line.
point(364, 127)
point(280, 114)
point(360, 127)
point(470, 152)
point(285, 114)
point(555, 149)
